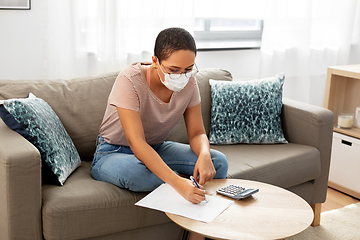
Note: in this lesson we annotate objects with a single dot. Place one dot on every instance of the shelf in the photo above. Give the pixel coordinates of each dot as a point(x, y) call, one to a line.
point(342, 93)
point(351, 71)
point(353, 132)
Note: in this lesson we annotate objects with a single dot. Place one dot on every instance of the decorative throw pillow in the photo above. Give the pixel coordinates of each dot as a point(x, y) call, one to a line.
point(247, 111)
point(35, 120)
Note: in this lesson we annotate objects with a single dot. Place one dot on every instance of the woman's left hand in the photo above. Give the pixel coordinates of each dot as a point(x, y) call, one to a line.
point(204, 168)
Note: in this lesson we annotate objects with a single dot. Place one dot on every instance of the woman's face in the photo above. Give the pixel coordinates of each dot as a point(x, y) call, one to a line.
point(180, 61)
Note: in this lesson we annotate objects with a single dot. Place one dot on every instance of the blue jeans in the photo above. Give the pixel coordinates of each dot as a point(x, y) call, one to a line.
point(118, 165)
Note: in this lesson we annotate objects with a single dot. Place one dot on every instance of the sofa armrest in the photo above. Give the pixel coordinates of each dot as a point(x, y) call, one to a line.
point(20, 187)
point(313, 126)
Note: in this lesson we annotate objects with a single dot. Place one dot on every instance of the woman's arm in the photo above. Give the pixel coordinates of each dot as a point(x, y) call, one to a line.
point(135, 137)
point(199, 143)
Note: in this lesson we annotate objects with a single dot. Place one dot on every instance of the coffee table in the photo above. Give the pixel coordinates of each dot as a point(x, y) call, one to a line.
point(272, 213)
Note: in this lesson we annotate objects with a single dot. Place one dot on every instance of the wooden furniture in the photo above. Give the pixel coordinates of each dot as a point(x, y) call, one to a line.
point(343, 95)
point(272, 213)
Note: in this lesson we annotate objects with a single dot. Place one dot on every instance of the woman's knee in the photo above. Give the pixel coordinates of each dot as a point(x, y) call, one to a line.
point(125, 171)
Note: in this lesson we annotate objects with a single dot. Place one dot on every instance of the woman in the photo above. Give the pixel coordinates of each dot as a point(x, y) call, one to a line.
point(145, 103)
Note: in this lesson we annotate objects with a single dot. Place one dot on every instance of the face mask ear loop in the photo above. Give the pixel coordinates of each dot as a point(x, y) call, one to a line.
point(159, 75)
point(160, 70)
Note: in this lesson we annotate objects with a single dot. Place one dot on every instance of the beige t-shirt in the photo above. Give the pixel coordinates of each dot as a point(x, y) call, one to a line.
point(131, 91)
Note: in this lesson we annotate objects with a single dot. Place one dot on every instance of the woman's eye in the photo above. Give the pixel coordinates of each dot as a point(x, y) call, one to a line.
point(175, 71)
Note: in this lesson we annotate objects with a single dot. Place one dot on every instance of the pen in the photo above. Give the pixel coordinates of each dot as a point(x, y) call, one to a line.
point(197, 185)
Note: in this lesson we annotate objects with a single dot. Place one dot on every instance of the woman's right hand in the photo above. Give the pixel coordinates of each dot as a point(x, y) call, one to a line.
point(189, 191)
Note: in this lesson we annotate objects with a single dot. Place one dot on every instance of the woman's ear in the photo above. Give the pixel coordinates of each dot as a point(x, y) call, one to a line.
point(155, 62)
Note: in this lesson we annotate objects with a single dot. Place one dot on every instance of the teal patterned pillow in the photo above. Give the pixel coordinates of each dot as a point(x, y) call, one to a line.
point(35, 120)
point(247, 111)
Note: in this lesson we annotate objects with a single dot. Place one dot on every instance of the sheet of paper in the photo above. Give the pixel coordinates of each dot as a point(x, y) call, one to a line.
point(166, 199)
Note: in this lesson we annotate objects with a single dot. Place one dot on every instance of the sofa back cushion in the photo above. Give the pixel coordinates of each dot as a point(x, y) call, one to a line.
point(179, 133)
point(79, 103)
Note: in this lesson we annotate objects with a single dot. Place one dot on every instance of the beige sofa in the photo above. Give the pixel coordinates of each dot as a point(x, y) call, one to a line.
point(87, 209)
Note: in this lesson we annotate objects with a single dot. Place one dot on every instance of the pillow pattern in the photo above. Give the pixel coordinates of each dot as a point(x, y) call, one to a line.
point(247, 111)
point(35, 120)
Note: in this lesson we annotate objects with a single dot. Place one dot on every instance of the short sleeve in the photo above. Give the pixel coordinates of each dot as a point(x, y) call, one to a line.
point(195, 98)
point(124, 94)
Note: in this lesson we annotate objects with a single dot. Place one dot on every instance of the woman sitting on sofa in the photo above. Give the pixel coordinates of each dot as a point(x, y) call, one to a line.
point(145, 103)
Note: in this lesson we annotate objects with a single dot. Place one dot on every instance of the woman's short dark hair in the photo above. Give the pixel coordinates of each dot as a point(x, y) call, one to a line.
point(173, 39)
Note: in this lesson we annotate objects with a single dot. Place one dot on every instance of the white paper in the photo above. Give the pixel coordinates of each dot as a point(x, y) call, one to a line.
point(167, 199)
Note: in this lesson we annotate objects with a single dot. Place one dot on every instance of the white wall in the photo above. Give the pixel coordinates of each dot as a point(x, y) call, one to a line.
point(21, 42)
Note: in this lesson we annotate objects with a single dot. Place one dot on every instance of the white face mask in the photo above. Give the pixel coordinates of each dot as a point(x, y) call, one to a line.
point(174, 84)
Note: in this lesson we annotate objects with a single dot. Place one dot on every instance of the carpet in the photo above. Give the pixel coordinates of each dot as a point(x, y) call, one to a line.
point(343, 223)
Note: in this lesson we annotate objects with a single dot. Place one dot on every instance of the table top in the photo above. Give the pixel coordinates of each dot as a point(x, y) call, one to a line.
point(272, 213)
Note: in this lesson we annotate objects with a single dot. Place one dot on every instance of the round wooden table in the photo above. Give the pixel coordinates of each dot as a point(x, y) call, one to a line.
point(272, 213)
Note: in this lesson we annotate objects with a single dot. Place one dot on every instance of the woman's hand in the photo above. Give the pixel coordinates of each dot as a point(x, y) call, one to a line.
point(189, 191)
point(204, 168)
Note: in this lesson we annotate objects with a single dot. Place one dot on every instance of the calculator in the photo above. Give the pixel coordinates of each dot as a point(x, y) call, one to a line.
point(236, 192)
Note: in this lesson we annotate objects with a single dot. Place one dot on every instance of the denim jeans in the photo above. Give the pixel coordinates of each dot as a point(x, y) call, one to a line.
point(118, 165)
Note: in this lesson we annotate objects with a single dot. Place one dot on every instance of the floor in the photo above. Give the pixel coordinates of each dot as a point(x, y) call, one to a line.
point(336, 199)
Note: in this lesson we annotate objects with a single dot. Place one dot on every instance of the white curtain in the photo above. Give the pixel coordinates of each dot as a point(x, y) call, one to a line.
point(91, 37)
point(303, 37)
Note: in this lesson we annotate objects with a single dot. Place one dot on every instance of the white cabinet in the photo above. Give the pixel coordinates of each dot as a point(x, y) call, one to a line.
point(345, 164)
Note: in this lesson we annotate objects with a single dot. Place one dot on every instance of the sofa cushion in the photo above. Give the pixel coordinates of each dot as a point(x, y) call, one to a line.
point(85, 208)
point(283, 165)
point(79, 103)
point(35, 120)
point(247, 111)
point(179, 133)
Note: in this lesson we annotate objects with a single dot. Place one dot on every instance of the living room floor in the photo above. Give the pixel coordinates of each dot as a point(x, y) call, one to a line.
point(336, 199)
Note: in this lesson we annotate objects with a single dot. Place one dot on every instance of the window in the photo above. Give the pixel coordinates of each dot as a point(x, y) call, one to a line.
point(227, 33)
point(229, 24)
